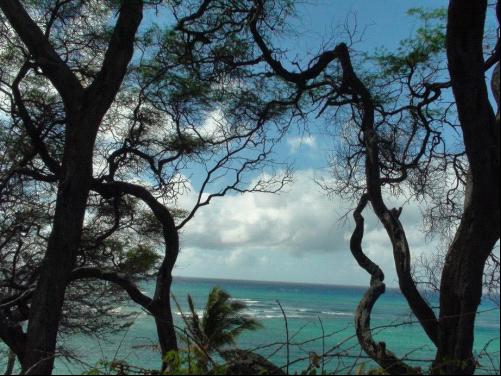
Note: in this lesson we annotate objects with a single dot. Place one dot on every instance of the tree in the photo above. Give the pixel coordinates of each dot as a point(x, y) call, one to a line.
point(221, 324)
point(89, 122)
point(85, 108)
point(398, 137)
point(413, 150)
point(478, 232)
point(85, 123)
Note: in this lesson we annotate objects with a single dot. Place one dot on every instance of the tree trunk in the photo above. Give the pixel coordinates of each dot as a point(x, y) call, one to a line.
point(160, 306)
point(85, 109)
point(460, 296)
point(48, 299)
point(11, 362)
point(461, 284)
point(164, 319)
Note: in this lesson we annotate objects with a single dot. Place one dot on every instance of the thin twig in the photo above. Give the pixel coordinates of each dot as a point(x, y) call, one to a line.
point(323, 344)
point(287, 334)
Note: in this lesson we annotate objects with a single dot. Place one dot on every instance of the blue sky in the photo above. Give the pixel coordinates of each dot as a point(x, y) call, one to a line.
point(299, 235)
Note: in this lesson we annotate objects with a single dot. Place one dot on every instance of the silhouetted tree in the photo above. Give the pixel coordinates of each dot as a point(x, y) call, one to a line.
point(219, 326)
point(397, 125)
point(95, 117)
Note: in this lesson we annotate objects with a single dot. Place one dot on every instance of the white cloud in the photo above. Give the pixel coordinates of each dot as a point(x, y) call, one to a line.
point(215, 126)
point(298, 220)
point(295, 143)
point(296, 235)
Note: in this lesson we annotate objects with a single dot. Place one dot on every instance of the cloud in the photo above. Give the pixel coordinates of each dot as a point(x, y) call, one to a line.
point(215, 126)
point(297, 235)
point(300, 219)
point(295, 143)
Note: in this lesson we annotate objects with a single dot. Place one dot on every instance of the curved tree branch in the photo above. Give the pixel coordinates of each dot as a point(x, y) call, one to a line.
point(44, 54)
point(161, 300)
point(389, 218)
point(299, 79)
point(376, 350)
point(13, 336)
point(120, 279)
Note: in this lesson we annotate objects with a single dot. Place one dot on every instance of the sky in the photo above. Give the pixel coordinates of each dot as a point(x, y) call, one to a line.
point(301, 234)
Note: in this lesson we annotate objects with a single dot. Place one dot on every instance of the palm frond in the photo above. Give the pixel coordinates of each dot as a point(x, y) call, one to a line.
point(194, 322)
point(222, 321)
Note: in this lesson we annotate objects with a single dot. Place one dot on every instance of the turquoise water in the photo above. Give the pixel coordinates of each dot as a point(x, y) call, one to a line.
point(308, 308)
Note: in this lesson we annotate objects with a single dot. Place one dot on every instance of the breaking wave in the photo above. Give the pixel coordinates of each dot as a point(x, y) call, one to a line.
point(270, 310)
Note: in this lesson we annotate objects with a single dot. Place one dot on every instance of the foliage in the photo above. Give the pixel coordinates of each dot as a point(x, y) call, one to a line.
point(156, 133)
point(139, 260)
point(160, 126)
point(221, 323)
point(118, 367)
point(418, 139)
point(183, 363)
point(186, 144)
point(403, 135)
point(180, 363)
point(427, 43)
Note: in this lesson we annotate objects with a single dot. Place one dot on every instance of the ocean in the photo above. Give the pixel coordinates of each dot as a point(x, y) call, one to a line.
point(320, 320)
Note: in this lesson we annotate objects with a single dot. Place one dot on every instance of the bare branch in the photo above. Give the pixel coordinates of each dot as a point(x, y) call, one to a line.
point(376, 351)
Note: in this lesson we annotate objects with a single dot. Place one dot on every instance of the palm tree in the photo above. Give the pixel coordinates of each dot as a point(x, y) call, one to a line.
point(220, 325)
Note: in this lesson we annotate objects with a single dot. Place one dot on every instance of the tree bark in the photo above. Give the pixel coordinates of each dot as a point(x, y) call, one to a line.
point(13, 336)
point(46, 306)
point(376, 350)
point(85, 109)
point(161, 305)
point(164, 319)
point(11, 362)
point(461, 284)
point(161, 300)
point(160, 308)
point(389, 218)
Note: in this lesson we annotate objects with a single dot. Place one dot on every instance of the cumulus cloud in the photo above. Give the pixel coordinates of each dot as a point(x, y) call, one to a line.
point(300, 219)
point(298, 232)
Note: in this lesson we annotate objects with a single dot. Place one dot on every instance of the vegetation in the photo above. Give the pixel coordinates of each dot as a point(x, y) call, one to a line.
point(220, 325)
point(100, 124)
point(106, 117)
point(222, 321)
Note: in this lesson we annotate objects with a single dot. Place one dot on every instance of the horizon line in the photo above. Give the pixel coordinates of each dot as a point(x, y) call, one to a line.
point(280, 282)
